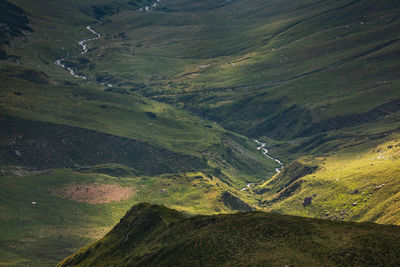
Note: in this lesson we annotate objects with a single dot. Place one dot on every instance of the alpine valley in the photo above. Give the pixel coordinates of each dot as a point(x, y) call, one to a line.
point(222, 132)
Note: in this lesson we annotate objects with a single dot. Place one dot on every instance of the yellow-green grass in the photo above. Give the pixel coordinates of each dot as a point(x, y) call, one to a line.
point(154, 235)
point(217, 63)
point(128, 116)
point(45, 232)
point(328, 59)
point(355, 185)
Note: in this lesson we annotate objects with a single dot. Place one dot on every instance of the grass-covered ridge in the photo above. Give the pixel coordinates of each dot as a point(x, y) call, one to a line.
point(356, 185)
point(47, 215)
point(194, 82)
point(157, 236)
point(63, 138)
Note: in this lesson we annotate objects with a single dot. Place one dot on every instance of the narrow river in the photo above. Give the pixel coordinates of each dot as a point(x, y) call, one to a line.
point(261, 147)
point(85, 49)
point(84, 44)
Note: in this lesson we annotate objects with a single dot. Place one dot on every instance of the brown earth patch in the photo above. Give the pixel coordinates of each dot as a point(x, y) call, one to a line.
point(95, 193)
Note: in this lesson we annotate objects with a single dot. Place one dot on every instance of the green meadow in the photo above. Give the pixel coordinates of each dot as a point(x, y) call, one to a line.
point(194, 83)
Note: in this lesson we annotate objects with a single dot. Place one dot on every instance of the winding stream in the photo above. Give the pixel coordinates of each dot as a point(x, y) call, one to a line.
point(85, 49)
point(147, 8)
point(261, 147)
point(71, 71)
point(83, 43)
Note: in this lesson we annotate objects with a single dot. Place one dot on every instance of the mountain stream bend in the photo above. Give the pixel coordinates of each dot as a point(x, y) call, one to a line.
point(85, 49)
point(261, 147)
point(84, 45)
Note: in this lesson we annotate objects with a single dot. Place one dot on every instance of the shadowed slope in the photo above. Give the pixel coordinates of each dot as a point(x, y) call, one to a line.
point(46, 146)
point(153, 235)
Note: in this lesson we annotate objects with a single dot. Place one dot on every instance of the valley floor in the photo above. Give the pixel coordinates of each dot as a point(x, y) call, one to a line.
point(207, 107)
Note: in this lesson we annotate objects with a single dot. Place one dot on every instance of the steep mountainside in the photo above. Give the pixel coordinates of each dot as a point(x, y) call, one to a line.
point(282, 69)
point(152, 235)
point(104, 104)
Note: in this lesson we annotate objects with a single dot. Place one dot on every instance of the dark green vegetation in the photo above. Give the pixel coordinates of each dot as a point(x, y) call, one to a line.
point(151, 235)
point(59, 146)
point(14, 22)
point(193, 83)
point(280, 69)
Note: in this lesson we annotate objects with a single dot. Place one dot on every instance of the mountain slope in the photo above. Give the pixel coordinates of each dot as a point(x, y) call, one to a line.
point(353, 186)
point(193, 83)
point(48, 93)
point(282, 69)
point(157, 236)
point(72, 152)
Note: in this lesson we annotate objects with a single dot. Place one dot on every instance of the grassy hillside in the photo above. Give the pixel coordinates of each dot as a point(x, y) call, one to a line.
point(355, 185)
point(36, 89)
point(105, 139)
point(157, 236)
point(47, 215)
point(72, 152)
point(193, 83)
point(283, 70)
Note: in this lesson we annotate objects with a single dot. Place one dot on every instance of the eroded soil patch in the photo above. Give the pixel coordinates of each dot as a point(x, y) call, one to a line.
point(95, 193)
